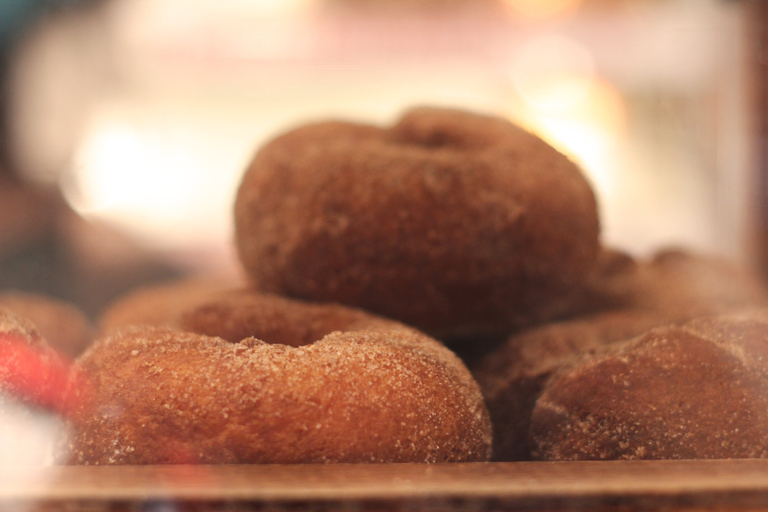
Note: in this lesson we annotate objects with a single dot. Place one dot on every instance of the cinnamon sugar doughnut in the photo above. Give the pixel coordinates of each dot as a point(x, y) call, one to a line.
point(62, 324)
point(31, 372)
point(376, 391)
point(240, 314)
point(161, 304)
point(36, 385)
point(699, 390)
point(625, 299)
point(457, 223)
point(513, 375)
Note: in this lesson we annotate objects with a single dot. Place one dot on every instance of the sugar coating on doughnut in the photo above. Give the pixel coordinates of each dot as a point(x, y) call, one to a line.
point(456, 223)
point(161, 304)
point(686, 285)
point(635, 296)
point(240, 314)
point(512, 376)
point(165, 396)
point(15, 325)
point(699, 390)
point(64, 326)
point(31, 372)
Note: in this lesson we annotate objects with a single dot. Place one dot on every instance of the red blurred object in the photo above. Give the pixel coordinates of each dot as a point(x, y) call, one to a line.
point(39, 375)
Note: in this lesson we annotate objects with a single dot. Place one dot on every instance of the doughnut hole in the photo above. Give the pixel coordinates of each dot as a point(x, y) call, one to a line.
point(434, 130)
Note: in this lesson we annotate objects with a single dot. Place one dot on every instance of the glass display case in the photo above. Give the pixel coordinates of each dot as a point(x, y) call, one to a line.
point(129, 124)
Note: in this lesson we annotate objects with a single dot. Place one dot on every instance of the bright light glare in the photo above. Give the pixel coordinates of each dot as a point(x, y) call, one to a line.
point(119, 170)
point(27, 437)
point(156, 183)
point(590, 131)
point(552, 71)
point(538, 9)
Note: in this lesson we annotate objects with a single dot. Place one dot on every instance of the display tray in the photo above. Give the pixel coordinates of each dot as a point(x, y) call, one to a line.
point(614, 485)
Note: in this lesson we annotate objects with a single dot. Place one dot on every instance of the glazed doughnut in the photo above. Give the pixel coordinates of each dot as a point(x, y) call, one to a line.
point(376, 391)
point(62, 324)
point(456, 223)
point(695, 391)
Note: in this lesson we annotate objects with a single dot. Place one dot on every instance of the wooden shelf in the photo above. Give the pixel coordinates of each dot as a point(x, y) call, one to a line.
point(616, 485)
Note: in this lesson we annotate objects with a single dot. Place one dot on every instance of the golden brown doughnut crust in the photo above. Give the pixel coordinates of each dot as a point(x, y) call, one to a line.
point(457, 223)
point(164, 396)
point(382, 392)
point(31, 372)
point(695, 391)
point(240, 314)
point(635, 296)
point(513, 375)
point(19, 327)
point(161, 304)
point(60, 323)
point(685, 285)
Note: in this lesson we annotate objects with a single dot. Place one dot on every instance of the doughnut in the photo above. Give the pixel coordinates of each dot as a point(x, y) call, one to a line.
point(686, 284)
point(612, 284)
point(695, 391)
point(340, 389)
point(36, 384)
point(241, 314)
point(62, 324)
point(31, 372)
point(512, 376)
point(456, 223)
point(680, 282)
point(635, 296)
point(161, 303)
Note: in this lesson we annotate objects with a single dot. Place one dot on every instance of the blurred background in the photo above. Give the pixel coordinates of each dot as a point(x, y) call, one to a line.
point(128, 123)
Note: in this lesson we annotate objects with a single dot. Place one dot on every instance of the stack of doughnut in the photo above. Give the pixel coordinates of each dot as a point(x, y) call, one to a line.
point(372, 256)
point(361, 244)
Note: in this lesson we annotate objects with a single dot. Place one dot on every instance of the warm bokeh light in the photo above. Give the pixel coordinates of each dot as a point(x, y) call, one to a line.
point(588, 130)
point(218, 9)
point(564, 102)
point(149, 110)
point(153, 179)
point(119, 170)
point(204, 29)
point(540, 9)
point(552, 71)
